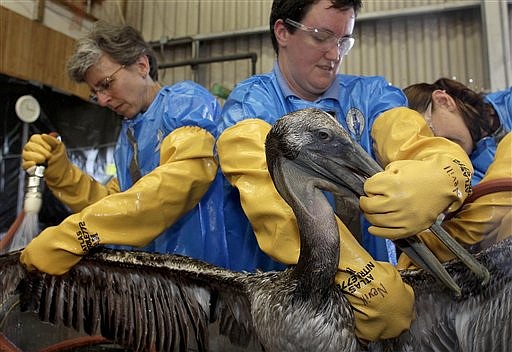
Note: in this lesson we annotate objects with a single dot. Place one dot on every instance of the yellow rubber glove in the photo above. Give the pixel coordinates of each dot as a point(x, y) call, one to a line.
point(40, 149)
point(505, 229)
point(67, 182)
point(138, 215)
point(484, 221)
point(382, 302)
point(424, 176)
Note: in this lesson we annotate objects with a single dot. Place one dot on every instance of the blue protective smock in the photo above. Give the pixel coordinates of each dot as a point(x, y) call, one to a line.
point(483, 154)
point(200, 233)
point(355, 101)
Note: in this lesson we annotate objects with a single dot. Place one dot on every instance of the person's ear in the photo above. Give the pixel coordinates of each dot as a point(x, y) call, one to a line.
point(281, 32)
point(143, 66)
point(443, 99)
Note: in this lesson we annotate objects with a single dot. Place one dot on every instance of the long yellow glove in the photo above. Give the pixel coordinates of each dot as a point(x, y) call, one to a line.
point(138, 215)
point(485, 221)
point(382, 302)
point(67, 182)
point(424, 176)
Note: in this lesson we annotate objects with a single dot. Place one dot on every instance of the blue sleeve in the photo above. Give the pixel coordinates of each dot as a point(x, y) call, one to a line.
point(190, 104)
point(384, 96)
point(502, 103)
point(256, 97)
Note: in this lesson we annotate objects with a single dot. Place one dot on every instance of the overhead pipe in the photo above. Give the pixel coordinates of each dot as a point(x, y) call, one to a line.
point(207, 60)
point(207, 37)
point(171, 42)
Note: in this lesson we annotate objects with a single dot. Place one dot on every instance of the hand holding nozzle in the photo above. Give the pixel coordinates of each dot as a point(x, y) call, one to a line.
point(41, 149)
point(35, 159)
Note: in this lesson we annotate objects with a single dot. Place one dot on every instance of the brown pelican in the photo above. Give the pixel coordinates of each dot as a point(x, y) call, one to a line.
point(166, 302)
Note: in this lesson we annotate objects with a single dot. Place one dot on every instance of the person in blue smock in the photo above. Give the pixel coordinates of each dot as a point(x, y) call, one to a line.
point(310, 38)
point(481, 124)
point(167, 196)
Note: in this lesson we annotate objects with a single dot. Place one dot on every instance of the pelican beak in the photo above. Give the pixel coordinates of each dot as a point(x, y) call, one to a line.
point(421, 255)
point(460, 252)
point(348, 165)
point(328, 152)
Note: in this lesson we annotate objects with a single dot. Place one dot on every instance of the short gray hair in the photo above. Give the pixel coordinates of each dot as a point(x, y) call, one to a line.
point(124, 44)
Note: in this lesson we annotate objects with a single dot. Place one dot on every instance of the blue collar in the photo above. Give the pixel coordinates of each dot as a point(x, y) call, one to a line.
point(333, 92)
point(149, 114)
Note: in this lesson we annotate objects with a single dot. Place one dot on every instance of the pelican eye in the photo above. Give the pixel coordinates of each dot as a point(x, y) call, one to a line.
point(324, 135)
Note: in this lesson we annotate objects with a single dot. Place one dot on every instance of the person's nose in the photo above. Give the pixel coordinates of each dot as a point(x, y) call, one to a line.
point(333, 53)
point(103, 98)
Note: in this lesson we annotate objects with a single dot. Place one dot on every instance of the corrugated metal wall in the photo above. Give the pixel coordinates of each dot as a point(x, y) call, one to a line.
point(409, 48)
point(203, 20)
point(405, 41)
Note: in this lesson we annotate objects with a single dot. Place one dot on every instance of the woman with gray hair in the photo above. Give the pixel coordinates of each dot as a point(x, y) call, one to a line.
point(166, 197)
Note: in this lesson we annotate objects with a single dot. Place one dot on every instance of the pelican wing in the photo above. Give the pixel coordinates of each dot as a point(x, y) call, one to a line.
point(479, 320)
point(144, 301)
point(11, 273)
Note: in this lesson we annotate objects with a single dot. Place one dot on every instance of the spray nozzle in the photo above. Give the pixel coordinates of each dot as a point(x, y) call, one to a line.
point(34, 191)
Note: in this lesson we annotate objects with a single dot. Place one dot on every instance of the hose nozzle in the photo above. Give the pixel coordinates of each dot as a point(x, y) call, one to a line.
point(34, 191)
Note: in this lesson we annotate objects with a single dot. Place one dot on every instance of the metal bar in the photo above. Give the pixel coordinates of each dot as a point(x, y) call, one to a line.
point(208, 60)
point(496, 45)
point(419, 10)
point(21, 174)
point(171, 42)
point(40, 11)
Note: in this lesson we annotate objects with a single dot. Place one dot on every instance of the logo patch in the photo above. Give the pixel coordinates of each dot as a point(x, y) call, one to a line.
point(355, 122)
point(87, 240)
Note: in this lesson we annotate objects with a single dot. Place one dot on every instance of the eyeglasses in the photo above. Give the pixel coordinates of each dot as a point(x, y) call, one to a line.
point(323, 39)
point(427, 115)
point(104, 85)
